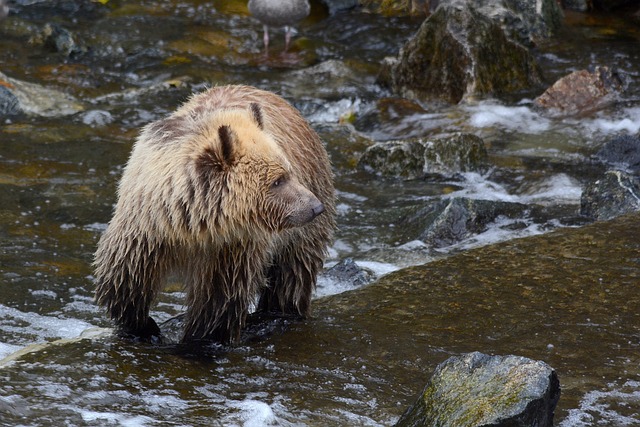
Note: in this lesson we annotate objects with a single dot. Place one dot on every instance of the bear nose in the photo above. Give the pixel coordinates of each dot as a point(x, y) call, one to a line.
point(318, 209)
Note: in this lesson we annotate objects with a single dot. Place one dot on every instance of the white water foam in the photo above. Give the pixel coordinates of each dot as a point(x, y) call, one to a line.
point(555, 189)
point(118, 419)
point(250, 413)
point(499, 231)
point(329, 286)
point(478, 187)
point(617, 406)
point(520, 118)
point(33, 328)
point(628, 120)
point(523, 119)
point(335, 111)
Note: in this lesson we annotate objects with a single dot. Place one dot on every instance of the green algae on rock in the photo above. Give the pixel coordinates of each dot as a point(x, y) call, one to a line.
point(475, 389)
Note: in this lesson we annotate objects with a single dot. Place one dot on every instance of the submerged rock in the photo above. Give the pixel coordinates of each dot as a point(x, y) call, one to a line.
point(418, 157)
point(582, 91)
point(615, 194)
point(451, 221)
point(31, 98)
point(58, 39)
point(469, 47)
point(347, 272)
point(623, 151)
point(9, 104)
point(480, 390)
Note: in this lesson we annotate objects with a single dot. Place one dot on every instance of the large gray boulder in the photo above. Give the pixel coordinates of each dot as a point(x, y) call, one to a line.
point(480, 390)
point(470, 48)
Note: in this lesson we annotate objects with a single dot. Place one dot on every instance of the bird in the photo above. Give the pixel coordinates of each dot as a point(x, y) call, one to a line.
point(279, 13)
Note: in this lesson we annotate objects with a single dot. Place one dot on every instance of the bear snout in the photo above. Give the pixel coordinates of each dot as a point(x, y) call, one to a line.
point(306, 211)
point(317, 209)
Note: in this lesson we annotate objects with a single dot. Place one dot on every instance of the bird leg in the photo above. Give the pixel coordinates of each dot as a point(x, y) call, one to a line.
point(266, 38)
point(287, 37)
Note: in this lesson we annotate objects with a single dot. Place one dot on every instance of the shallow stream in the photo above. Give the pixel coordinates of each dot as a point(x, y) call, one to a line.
point(140, 61)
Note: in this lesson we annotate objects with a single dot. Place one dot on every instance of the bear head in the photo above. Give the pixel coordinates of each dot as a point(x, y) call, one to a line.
point(227, 175)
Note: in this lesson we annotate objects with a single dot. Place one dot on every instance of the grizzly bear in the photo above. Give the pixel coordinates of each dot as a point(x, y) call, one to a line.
point(234, 193)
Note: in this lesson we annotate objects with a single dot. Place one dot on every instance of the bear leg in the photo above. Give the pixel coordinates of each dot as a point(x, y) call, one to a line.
point(221, 323)
point(148, 331)
point(220, 289)
point(129, 274)
point(291, 281)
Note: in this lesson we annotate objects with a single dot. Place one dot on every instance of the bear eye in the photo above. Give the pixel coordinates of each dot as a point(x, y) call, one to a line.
point(278, 182)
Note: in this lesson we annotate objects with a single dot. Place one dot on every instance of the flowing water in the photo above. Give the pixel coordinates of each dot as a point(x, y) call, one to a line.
point(57, 188)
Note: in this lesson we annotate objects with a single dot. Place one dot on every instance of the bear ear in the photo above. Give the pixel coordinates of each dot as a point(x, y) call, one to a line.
point(256, 111)
point(228, 139)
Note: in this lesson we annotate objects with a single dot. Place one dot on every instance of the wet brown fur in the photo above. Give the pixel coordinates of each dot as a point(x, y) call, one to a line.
point(199, 198)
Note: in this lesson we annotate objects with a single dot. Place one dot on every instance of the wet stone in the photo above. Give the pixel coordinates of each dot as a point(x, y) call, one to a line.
point(480, 390)
point(582, 92)
point(465, 49)
point(615, 194)
point(9, 104)
point(350, 273)
point(623, 150)
point(58, 39)
point(451, 221)
point(419, 157)
point(35, 99)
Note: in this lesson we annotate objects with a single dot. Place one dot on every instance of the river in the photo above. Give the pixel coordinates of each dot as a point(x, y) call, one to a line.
point(137, 62)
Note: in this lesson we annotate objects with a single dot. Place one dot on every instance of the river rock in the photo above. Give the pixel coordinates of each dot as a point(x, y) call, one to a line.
point(331, 80)
point(470, 48)
point(480, 390)
point(450, 221)
point(623, 150)
point(33, 99)
point(347, 272)
point(417, 157)
point(582, 92)
point(615, 194)
point(58, 39)
point(9, 104)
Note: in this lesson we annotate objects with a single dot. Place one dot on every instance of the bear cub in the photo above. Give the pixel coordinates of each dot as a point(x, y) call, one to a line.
point(233, 192)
